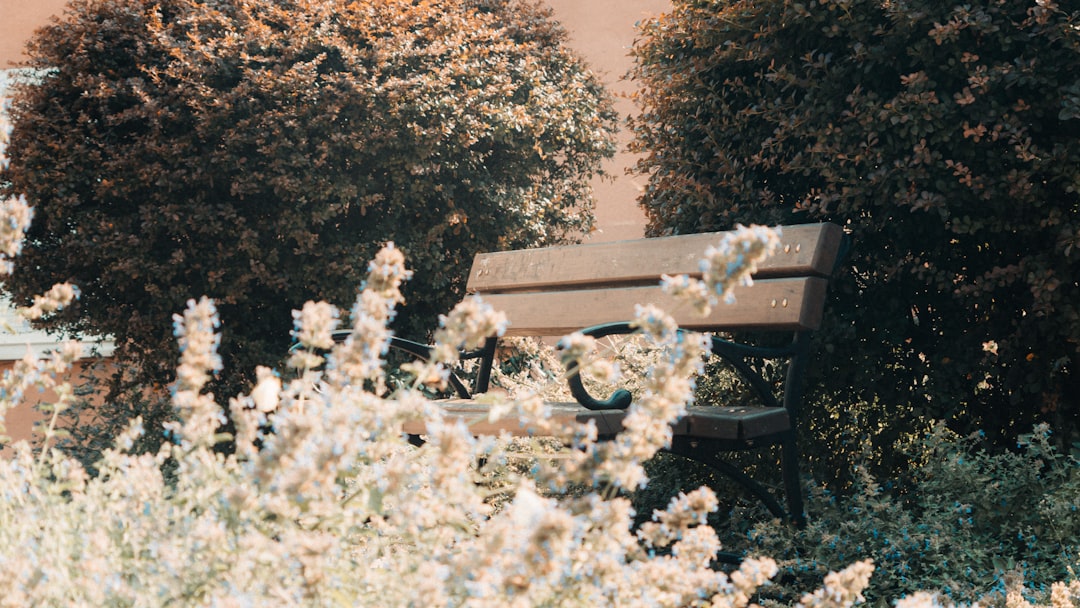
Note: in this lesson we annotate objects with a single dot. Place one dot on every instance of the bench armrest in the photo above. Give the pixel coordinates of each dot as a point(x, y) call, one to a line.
point(423, 351)
point(621, 398)
point(735, 354)
point(420, 351)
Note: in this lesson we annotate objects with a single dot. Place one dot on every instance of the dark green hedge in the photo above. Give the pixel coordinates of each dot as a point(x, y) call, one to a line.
point(260, 153)
point(945, 137)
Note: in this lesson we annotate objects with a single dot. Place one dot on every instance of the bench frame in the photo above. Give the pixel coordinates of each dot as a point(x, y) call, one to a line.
point(810, 254)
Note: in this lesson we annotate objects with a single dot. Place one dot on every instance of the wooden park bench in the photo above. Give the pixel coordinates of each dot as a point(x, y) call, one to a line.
point(594, 287)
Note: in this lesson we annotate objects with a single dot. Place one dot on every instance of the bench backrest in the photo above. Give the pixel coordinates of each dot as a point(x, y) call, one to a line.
point(556, 290)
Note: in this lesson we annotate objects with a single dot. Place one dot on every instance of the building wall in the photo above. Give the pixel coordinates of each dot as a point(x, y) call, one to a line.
point(19, 421)
point(602, 31)
point(18, 20)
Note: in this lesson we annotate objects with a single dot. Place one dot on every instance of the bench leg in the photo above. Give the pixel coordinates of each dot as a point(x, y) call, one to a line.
point(704, 453)
point(789, 462)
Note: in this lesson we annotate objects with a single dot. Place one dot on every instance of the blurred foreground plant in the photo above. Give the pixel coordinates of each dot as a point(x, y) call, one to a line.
point(325, 503)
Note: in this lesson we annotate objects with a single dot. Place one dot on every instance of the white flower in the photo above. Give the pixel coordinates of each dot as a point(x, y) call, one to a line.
point(58, 296)
point(725, 266)
point(314, 324)
point(267, 390)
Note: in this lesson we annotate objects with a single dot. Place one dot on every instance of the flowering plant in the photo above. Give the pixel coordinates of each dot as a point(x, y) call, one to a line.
point(323, 501)
point(322, 482)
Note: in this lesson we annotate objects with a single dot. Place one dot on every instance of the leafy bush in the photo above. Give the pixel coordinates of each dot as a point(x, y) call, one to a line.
point(945, 137)
point(258, 152)
point(965, 522)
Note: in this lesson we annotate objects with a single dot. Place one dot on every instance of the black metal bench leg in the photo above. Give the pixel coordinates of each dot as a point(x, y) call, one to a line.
point(707, 456)
point(792, 485)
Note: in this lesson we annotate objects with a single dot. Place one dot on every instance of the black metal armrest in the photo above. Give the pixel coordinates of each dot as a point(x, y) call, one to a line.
point(735, 354)
point(621, 398)
point(420, 351)
point(423, 351)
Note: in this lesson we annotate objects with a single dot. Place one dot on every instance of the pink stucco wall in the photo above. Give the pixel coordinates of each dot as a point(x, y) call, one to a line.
point(603, 31)
point(18, 20)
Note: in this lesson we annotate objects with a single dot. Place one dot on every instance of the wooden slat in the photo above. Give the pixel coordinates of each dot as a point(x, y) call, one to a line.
point(776, 304)
point(706, 422)
point(807, 250)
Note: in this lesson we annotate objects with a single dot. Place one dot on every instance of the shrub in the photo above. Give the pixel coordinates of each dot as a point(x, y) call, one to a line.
point(944, 137)
point(258, 152)
point(963, 521)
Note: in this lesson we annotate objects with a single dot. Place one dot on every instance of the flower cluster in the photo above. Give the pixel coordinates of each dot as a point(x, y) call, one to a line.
point(59, 296)
point(842, 589)
point(467, 327)
point(15, 213)
point(196, 331)
point(360, 357)
point(577, 354)
point(314, 325)
point(730, 263)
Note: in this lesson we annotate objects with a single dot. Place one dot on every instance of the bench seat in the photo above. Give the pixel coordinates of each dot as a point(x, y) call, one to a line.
point(735, 423)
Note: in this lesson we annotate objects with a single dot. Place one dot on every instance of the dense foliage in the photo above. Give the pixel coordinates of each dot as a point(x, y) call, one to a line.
point(945, 137)
point(260, 152)
point(963, 521)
